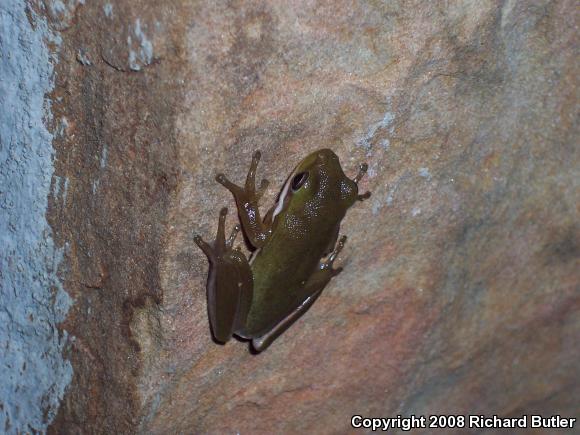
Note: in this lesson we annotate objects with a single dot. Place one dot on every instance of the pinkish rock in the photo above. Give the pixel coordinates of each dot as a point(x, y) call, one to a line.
point(460, 293)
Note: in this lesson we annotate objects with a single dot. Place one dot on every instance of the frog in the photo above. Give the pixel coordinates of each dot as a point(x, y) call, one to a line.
point(293, 249)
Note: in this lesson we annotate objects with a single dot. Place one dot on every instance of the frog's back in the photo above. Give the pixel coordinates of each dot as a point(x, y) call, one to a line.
point(281, 269)
point(305, 221)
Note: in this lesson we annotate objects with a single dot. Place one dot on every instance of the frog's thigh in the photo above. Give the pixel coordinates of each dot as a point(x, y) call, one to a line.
point(229, 296)
point(312, 289)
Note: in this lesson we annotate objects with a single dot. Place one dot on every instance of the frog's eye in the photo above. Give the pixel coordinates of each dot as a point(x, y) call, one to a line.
point(299, 180)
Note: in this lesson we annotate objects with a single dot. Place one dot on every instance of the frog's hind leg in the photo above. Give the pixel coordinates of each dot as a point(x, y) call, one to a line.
point(312, 290)
point(230, 283)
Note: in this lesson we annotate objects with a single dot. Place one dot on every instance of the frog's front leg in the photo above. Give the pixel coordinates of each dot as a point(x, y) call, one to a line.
point(230, 283)
point(312, 289)
point(256, 229)
point(362, 170)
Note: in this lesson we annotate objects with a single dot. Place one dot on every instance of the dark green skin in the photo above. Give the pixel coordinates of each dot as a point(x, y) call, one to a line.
point(261, 298)
point(302, 234)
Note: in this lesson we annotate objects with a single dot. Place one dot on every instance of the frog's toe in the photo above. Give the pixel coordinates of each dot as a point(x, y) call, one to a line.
point(204, 246)
point(338, 248)
point(232, 238)
point(222, 179)
point(332, 257)
point(262, 189)
point(250, 185)
point(364, 196)
point(362, 170)
point(234, 188)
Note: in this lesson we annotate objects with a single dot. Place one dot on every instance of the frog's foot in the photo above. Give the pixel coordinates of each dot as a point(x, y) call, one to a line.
point(247, 199)
point(362, 170)
point(329, 262)
point(249, 191)
point(230, 283)
point(220, 246)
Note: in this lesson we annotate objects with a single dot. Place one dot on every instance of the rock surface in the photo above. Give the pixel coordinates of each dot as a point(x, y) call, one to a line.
point(460, 293)
point(34, 372)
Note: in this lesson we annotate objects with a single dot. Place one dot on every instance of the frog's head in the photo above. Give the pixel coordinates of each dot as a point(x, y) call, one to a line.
point(318, 185)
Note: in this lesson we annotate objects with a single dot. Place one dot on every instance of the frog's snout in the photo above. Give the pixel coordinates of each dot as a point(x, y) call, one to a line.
point(325, 155)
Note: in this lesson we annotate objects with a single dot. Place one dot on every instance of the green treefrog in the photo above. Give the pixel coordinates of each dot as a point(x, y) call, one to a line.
point(295, 246)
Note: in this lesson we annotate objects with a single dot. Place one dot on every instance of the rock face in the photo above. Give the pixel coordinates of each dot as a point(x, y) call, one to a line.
point(461, 290)
point(34, 373)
